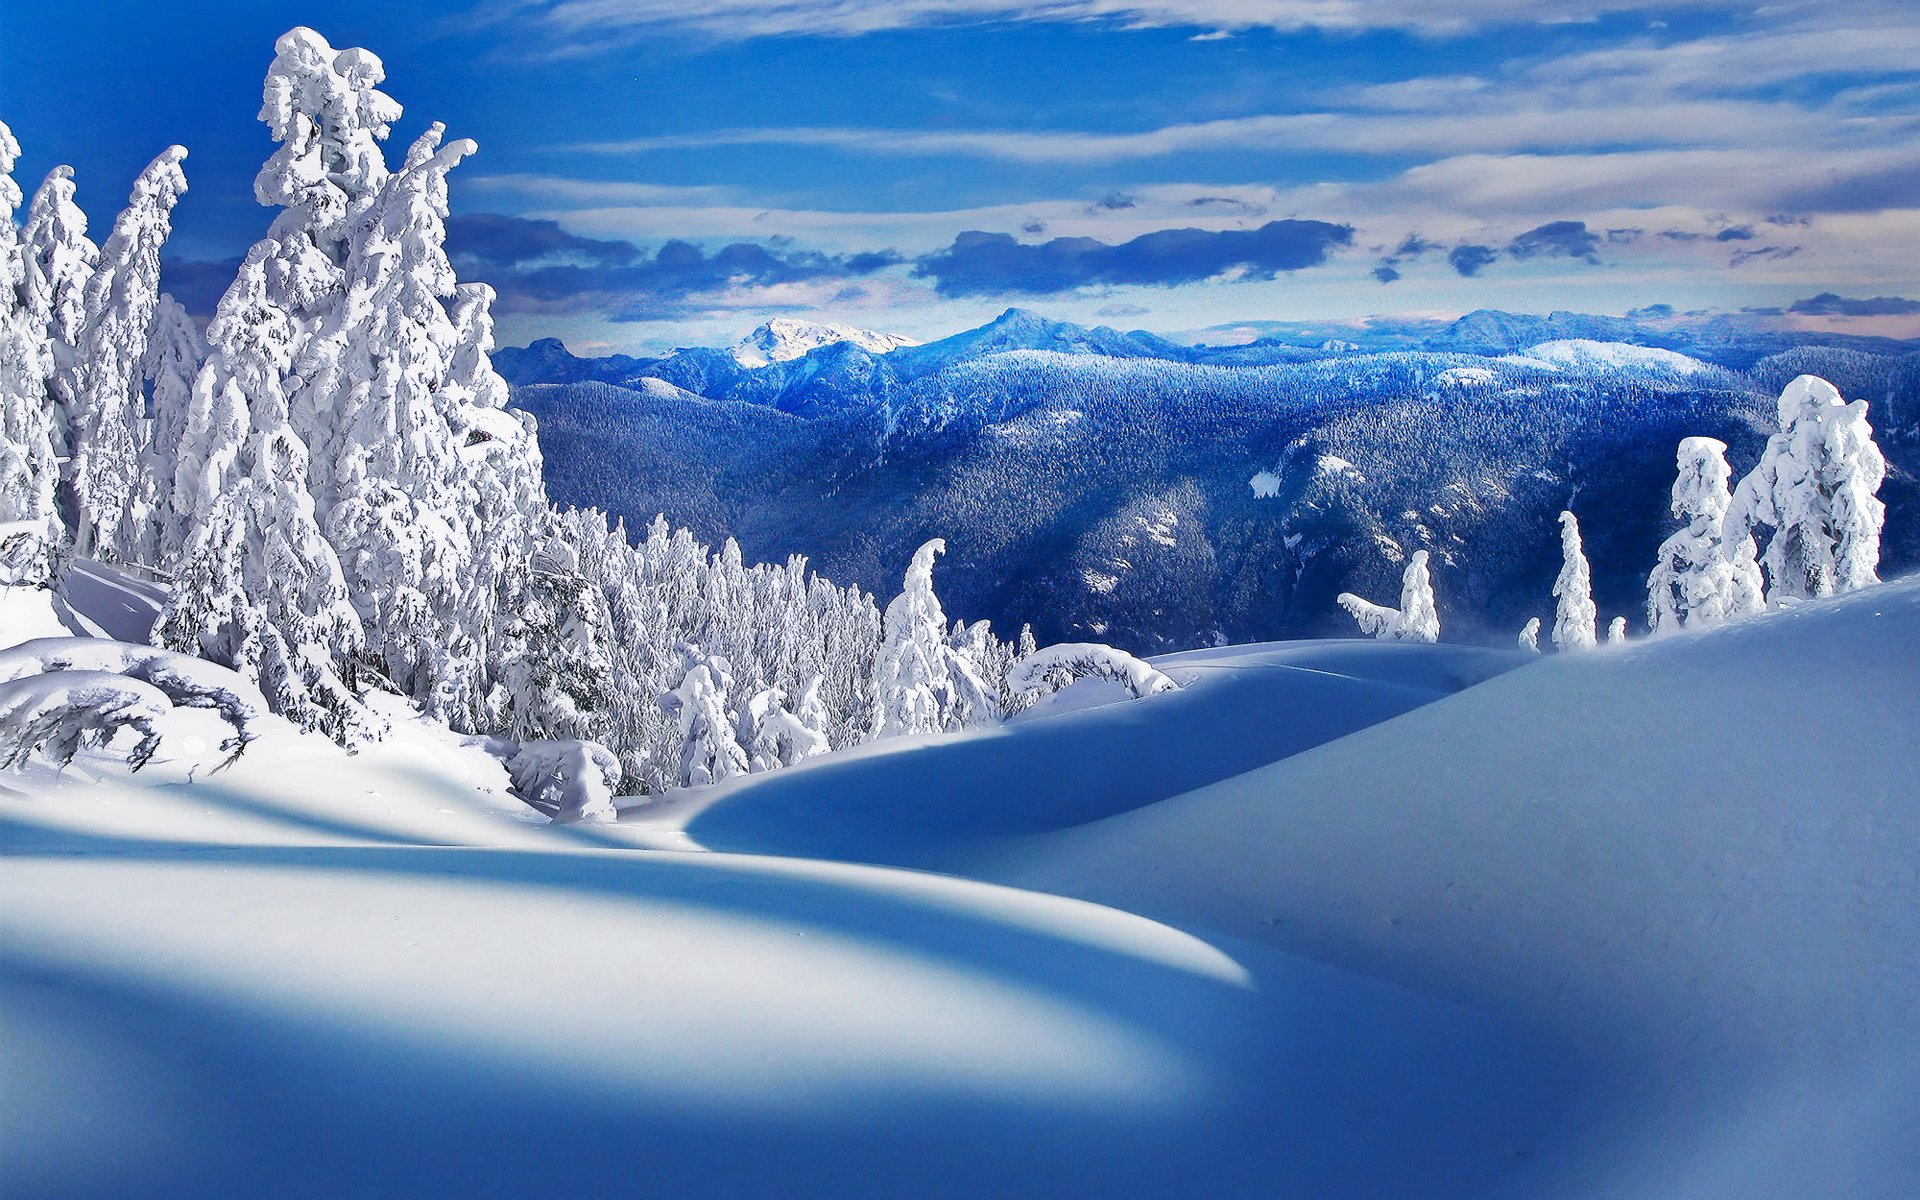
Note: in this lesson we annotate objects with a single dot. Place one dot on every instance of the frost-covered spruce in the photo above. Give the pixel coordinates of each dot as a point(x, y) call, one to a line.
point(175, 351)
point(29, 471)
point(1416, 620)
point(913, 689)
point(112, 466)
point(1813, 488)
point(59, 261)
point(1575, 619)
point(391, 486)
point(291, 628)
point(1617, 631)
point(710, 751)
point(1703, 577)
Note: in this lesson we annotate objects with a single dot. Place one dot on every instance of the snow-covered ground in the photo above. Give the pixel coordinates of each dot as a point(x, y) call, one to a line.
point(1337, 919)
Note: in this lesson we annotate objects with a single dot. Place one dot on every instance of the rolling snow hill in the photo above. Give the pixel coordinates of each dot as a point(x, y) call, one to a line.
point(1337, 920)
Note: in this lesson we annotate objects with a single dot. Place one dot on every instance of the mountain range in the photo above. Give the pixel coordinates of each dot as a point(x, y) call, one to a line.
point(1158, 494)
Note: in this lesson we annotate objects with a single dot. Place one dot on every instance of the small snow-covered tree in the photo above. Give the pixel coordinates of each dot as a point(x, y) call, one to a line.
point(1814, 489)
point(1707, 573)
point(110, 439)
point(709, 749)
point(1616, 631)
point(775, 737)
point(1575, 619)
point(29, 470)
point(572, 782)
point(1530, 635)
point(913, 689)
point(1416, 620)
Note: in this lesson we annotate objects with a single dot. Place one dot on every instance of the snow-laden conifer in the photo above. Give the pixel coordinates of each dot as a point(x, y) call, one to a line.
point(110, 434)
point(710, 750)
point(1706, 573)
point(1416, 620)
point(59, 261)
point(324, 107)
point(913, 689)
point(1616, 631)
point(1575, 619)
point(29, 470)
point(295, 632)
point(1813, 489)
point(175, 351)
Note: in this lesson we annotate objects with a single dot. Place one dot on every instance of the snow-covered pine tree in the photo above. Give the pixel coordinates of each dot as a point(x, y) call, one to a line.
point(1814, 489)
point(1575, 619)
point(110, 435)
point(299, 638)
point(59, 260)
point(709, 748)
point(1616, 631)
point(1530, 635)
point(1855, 514)
point(393, 499)
point(29, 471)
point(913, 689)
point(175, 350)
point(1700, 578)
point(1416, 620)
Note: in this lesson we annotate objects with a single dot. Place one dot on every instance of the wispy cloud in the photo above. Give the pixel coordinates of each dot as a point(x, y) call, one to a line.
point(1510, 130)
point(589, 26)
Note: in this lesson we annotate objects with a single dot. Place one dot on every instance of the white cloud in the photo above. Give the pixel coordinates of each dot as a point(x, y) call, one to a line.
point(587, 26)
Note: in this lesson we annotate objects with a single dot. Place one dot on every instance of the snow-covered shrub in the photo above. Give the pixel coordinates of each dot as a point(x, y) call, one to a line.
point(569, 780)
point(1047, 670)
point(1617, 631)
point(774, 737)
point(1707, 573)
point(60, 694)
point(1530, 635)
point(1416, 620)
point(1814, 488)
point(1575, 619)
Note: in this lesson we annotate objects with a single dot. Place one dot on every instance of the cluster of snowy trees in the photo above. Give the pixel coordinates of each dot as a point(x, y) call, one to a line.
point(333, 483)
point(1811, 499)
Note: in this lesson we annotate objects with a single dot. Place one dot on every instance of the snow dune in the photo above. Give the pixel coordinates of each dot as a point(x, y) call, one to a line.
point(1338, 920)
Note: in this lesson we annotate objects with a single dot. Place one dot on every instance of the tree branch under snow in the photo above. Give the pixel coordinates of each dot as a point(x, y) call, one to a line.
point(60, 694)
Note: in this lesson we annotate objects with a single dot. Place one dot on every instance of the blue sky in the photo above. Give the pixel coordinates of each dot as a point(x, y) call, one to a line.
point(676, 171)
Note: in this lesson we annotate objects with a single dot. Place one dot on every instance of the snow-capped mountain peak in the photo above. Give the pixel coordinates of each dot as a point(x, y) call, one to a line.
point(784, 338)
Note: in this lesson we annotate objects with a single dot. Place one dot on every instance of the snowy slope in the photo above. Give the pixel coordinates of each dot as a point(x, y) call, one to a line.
point(1692, 856)
point(322, 975)
point(1337, 920)
point(1588, 355)
point(784, 339)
